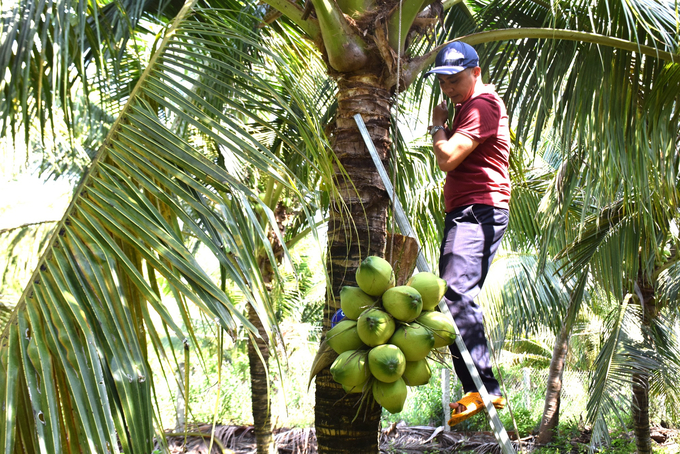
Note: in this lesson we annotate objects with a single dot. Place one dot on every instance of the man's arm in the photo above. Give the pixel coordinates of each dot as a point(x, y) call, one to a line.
point(450, 153)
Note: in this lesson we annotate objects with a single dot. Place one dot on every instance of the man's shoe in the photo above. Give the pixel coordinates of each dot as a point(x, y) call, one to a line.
point(474, 404)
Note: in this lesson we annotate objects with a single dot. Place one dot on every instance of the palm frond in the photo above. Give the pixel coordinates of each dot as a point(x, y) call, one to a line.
point(418, 186)
point(610, 238)
point(524, 229)
point(664, 379)
point(48, 47)
point(531, 352)
point(521, 298)
point(623, 353)
point(78, 332)
point(22, 245)
point(561, 209)
point(668, 286)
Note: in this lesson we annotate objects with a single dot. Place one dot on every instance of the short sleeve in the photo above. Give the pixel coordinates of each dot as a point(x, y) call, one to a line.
point(479, 119)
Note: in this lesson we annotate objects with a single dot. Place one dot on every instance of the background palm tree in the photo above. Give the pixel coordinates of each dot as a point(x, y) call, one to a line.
point(293, 225)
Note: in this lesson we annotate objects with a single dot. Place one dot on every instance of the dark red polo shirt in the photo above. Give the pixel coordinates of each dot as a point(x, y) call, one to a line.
point(483, 176)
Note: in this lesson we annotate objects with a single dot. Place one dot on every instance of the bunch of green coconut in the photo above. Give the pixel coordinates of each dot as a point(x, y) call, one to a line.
point(388, 333)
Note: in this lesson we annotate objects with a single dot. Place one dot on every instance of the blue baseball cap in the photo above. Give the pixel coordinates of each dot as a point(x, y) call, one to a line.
point(454, 58)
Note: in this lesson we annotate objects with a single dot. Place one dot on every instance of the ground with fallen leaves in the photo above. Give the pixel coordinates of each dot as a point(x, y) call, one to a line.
point(396, 439)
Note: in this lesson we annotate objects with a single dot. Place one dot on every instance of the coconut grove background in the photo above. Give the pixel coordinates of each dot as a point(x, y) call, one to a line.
point(217, 190)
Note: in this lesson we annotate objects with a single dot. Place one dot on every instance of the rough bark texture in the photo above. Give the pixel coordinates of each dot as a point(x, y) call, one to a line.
point(551, 410)
point(261, 403)
point(643, 439)
point(356, 229)
point(640, 405)
point(260, 391)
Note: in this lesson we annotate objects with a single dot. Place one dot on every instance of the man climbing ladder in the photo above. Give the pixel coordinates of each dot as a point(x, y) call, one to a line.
point(474, 152)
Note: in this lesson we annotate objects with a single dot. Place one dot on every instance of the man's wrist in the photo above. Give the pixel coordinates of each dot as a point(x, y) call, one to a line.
point(435, 129)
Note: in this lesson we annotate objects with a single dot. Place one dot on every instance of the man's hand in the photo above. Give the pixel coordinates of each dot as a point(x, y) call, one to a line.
point(440, 114)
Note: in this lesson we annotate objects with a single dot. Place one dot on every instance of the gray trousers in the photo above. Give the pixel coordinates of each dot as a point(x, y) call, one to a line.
point(472, 235)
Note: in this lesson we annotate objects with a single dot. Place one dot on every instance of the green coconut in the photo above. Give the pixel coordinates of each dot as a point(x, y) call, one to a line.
point(430, 287)
point(375, 327)
point(375, 275)
point(349, 369)
point(417, 373)
point(391, 396)
point(441, 326)
point(414, 340)
point(403, 303)
point(386, 362)
point(354, 301)
point(344, 336)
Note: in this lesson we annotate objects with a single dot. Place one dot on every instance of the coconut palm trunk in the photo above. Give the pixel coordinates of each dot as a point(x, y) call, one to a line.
point(551, 409)
point(259, 349)
point(258, 357)
point(640, 411)
point(344, 423)
point(640, 404)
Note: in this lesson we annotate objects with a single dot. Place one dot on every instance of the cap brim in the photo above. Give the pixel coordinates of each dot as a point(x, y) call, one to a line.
point(446, 70)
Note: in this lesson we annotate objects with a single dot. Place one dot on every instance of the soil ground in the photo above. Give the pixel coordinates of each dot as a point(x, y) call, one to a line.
point(396, 439)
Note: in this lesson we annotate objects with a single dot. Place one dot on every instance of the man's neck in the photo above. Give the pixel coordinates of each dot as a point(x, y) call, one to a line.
point(480, 87)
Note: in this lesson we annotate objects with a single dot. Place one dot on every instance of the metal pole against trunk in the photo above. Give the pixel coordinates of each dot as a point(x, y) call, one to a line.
point(405, 227)
point(446, 396)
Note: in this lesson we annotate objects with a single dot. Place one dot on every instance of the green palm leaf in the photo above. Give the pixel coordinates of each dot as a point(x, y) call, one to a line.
point(668, 283)
point(522, 298)
point(606, 385)
point(611, 240)
point(53, 47)
point(664, 379)
point(78, 334)
point(628, 354)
